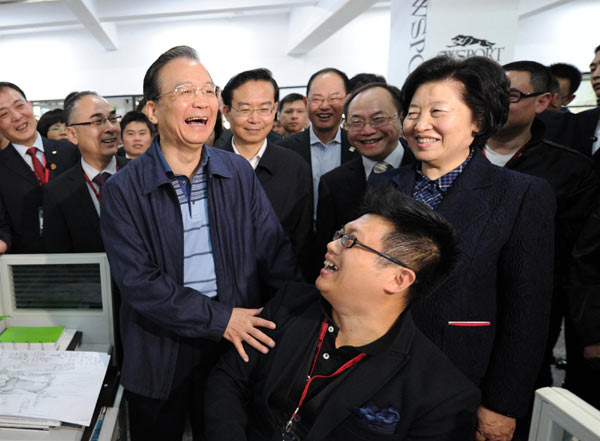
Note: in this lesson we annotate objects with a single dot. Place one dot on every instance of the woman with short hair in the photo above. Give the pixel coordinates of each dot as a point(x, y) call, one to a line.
point(491, 317)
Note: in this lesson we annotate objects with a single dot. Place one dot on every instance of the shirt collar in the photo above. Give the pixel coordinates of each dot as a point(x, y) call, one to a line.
point(394, 159)
point(38, 144)
point(256, 158)
point(444, 182)
point(314, 139)
point(375, 347)
point(91, 172)
point(165, 165)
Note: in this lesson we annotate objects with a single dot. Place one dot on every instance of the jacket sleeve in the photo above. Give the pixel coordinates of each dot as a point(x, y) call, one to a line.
point(524, 298)
point(584, 282)
point(143, 282)
point(56, 232)
point(453, 419)
point(277, 263)
point(303, 230)
point(5, 232)
point(327, 223)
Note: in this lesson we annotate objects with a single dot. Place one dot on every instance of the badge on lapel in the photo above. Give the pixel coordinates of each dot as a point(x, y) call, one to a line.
point(382, 421)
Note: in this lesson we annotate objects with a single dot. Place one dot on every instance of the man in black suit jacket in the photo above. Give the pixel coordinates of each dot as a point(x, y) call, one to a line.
point(72, 202)
point(341, 189)
point(324, 145)
point(250, 102)
point(348, 357)
point(520, 146)
point(580, 131)
point(20, 184)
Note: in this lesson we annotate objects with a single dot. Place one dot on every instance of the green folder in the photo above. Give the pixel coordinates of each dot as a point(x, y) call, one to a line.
point(31, 334)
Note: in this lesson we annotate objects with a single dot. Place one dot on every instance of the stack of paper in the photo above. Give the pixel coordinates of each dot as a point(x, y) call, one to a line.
point(49, 387)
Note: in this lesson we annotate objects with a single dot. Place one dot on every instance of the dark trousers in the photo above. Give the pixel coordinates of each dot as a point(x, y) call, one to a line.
point(164, 420)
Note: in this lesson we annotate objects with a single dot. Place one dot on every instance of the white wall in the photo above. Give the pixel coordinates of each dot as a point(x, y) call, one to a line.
point(52, 64)
point(568, 34)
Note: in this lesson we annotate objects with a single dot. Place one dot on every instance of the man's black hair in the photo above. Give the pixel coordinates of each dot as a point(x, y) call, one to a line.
point(569, 72)
point(134, 115)
point(554, 85)
point(289, 99)
point(6, 84)
point(485, 89)
point(141, 105)
point(151, 86)
point(392, 90)
point(48, 119)
point(261, 74)
point(597, 49)
point(541, 77)
point(361, 79)
point(71, 102)
point(422, 238)
point(338, 72)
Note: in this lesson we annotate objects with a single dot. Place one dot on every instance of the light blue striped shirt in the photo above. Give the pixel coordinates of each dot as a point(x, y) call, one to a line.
point(198, 261)
point(323, 158)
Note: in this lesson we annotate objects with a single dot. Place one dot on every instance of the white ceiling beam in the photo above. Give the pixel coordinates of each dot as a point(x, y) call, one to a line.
point(530, 8)
point(174, 8)
point(104, 33)
point(310, 26)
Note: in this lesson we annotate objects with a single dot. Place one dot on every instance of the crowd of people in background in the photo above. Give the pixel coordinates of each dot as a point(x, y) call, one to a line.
point(210, 202)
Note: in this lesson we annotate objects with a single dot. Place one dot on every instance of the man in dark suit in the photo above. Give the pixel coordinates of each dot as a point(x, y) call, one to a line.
point(581, 131)
point(520, 145)
point(249, 104)
point(324, 145)
point(341, 189)
point(348, 356)
point(27, 164)
point(72, 201)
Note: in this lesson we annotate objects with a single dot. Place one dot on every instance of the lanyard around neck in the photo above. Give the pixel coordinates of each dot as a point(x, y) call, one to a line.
point(310, 378)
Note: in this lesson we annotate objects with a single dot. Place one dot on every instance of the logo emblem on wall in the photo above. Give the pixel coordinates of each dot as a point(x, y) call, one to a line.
point(464, 46)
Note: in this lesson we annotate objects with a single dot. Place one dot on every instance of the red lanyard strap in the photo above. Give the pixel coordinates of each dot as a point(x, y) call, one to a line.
point(87, 179)
point(339, 370)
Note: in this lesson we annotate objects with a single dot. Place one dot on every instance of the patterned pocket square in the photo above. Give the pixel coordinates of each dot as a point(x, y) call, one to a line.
point(377, 420)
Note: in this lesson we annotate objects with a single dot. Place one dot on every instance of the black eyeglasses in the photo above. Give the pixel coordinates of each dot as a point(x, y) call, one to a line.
point(99, 122)
point(349, 240)
point(515, 95)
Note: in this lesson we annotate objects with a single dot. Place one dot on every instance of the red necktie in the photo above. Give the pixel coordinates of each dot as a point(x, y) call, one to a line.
point(100, 179)
point(38, 167)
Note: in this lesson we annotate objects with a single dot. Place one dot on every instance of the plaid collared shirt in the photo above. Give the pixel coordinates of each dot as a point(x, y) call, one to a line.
point(432, 192)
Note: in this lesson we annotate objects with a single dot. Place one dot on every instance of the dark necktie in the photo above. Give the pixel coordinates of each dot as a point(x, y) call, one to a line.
point(100, 179)
point(38, 167)
point(381, 167)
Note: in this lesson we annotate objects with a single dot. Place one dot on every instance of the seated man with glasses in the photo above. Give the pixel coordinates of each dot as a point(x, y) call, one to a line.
point(250, 101)
point(195, 249)
point(374, 128)
point(72, 201)
point(350, 364)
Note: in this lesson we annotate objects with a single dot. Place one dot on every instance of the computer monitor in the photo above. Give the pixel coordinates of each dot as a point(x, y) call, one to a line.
point(71, 290)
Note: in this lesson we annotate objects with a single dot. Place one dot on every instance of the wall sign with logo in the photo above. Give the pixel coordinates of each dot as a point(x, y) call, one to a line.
point(463, 28)
point(422, 29)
